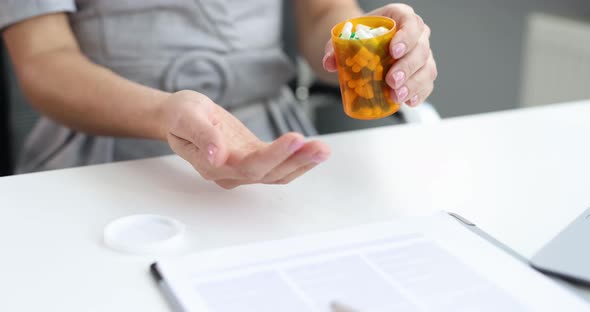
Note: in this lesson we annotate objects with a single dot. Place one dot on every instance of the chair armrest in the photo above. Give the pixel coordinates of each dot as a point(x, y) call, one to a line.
point(424, 113)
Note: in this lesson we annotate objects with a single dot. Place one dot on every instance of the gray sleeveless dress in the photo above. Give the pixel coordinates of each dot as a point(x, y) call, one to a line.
point(229, 50)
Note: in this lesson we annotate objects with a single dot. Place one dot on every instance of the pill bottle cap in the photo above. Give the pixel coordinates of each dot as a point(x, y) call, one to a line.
point(144, 234)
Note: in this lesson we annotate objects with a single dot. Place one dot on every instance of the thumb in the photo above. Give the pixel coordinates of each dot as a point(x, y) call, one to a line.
point(193, 118)
point(329, 61)
point(208, 137)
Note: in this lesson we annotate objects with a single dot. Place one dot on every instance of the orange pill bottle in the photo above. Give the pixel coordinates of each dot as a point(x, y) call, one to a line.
point(362, 66)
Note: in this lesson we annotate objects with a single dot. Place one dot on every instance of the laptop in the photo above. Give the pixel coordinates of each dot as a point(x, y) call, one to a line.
point(567, 255)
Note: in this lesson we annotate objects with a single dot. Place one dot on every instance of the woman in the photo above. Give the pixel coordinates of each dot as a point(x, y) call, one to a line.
point(121, 80)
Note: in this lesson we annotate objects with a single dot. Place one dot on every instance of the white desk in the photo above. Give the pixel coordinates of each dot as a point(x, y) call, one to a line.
point(520, 175)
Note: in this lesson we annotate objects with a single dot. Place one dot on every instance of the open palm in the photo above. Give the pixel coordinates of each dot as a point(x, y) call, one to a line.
point(223, 150)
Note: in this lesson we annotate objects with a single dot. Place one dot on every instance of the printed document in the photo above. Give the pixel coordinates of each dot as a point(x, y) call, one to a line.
point(413, 264)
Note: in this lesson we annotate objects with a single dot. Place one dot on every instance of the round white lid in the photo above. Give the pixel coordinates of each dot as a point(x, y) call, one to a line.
point(144, 234)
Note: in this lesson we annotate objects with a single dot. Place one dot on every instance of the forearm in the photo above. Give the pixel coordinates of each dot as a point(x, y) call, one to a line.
point(314, 32)
point(67, 87)
point(63, 84)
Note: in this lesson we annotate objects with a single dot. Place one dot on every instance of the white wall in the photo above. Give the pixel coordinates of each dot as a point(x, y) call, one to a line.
point(557, 58)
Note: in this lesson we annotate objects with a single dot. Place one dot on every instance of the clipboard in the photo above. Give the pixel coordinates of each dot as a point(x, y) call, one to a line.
point(175, 304)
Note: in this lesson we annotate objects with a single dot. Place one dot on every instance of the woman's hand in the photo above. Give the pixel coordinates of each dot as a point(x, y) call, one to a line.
point(412, 75)
point(223, 150)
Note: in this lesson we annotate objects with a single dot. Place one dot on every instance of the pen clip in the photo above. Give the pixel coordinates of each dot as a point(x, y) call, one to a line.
point(461, 219)
point(336, 306)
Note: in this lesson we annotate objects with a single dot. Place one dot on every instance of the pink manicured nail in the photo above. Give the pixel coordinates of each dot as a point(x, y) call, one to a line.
point(296, 145)
point(399, 77)
point(319, 157)
point(398, 50)
point(329, 62)
point(211, 151)
point(402, 93)
point(414, 100)
point(393, 96)
point(325, 58)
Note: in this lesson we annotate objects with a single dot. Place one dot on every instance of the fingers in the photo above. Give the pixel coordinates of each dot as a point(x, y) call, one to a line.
point(296, 174)
point(308, 157)
point(329, 61)
point(418, 87)
point(420, 96)
point(311, 154)
point(411, 63)
point(410, 28)
point(229, 184)
point(259, 163)
point(300, 162)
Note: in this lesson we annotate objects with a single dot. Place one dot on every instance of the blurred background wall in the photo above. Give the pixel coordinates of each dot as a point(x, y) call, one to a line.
point(480, 50)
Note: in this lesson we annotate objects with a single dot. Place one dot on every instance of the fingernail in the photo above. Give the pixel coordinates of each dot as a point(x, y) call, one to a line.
point(414, 100)
point(211, 151)
point(329, 62)
point(398, 50)
point(402, 93)
point(399, 77)
point(325, 59)
point(296, 145)
point(319, 157)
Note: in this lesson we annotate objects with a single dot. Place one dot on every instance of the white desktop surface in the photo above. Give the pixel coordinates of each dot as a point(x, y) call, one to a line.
point(519, 175)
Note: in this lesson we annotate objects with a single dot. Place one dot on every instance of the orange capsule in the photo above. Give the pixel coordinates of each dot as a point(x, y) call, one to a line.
point(378, 73)
point(349, 62)
point(346, 75)
point(349, 95)
point(355, 59)
point(370, 93)
point(359, 90)
point(364, 53)
point(363, 62)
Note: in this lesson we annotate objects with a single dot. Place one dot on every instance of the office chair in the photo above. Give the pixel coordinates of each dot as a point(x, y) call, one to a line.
point(324, 105)
point(5, 142)
point(17, 116)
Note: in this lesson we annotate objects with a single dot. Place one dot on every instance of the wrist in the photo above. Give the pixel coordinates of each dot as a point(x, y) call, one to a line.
point(175, 107)
point(159, 116)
